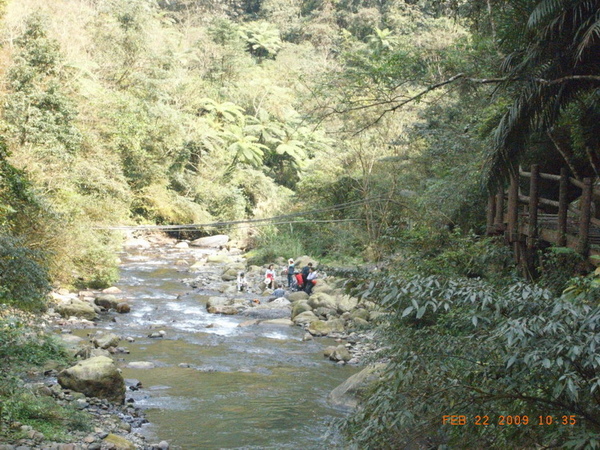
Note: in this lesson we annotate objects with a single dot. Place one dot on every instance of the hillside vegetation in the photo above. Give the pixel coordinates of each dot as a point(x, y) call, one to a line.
point(386, 121)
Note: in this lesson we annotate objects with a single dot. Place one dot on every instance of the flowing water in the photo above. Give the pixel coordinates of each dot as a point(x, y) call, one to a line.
point(214, 384)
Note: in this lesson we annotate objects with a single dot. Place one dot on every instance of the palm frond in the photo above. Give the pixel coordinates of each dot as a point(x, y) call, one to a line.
point(543, 10)
point(589, 37)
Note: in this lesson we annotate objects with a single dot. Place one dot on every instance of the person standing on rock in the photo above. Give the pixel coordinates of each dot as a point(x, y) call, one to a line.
point(290, 272)
point(242, 283)
point(270, 277)
point(305, 272)
point(311, 280)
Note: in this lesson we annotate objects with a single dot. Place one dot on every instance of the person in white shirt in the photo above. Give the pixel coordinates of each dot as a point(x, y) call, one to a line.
point(242, 283)
point(270, 277)
point(311, 280)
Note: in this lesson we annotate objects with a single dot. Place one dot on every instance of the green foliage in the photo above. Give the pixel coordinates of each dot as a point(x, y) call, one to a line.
point(558, 266)
point(463, 346)
point(43, 414)
point(262, 39)
point(272, 244)
point(23, 275)
point(37, 111)
point(447, 253)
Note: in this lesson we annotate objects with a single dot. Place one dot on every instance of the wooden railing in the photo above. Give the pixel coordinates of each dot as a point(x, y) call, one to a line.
point(561, 223)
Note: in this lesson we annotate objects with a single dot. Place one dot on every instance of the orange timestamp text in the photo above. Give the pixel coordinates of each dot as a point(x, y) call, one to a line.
point(508, 420)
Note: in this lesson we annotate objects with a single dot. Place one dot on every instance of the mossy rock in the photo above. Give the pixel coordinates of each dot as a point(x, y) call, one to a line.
point(119, 442)
point(300, 307)
point(319, 328)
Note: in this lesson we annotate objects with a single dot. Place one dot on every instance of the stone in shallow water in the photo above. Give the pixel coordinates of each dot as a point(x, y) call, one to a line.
point(95, 377)
point(141, 365)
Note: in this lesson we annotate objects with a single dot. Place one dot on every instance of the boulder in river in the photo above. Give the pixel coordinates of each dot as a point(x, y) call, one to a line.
point(136, 243)
point(218, 258)
point(345, 303)
point(216, 241)
point(107, 340)
point(282, 321)
point(228, 310)
point(300, 307)
point(305, 318)
point(229, 275)
point(117, 442)
point(107, 301)
point(95, 377)
point(77, 308)
point(354, 388)
point(322, 300)
point(360, 313)
point(339, 353)
point(319, 328)
point(141, 365)
point(296, 296)
point(112, 290)
point(268, 311)
point(123, 308)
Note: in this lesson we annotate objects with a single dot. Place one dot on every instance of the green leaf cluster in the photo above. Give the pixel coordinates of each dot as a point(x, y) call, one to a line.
point(465, 346)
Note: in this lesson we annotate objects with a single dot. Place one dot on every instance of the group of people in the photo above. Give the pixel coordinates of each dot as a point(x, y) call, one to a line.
point(304, 280)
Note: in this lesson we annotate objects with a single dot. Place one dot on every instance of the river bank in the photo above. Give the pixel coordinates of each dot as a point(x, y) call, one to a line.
point(172, 340)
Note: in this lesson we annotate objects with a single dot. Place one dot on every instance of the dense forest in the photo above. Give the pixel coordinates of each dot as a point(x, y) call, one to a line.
point(372, 132)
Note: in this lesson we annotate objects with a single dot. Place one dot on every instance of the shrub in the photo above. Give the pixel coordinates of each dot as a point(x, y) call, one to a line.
point(466, 347)
point(23, 275)
point(272, 244)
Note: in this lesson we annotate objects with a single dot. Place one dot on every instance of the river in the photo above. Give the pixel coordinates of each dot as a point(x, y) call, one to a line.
point(216, 385)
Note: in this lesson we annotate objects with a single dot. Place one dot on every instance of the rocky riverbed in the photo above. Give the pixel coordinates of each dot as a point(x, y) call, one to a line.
point(111, 402)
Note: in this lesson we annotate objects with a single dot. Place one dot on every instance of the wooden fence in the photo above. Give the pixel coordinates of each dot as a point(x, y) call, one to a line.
point(525, 220)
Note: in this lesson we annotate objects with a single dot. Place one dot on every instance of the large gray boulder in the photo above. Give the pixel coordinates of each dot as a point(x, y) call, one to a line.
point(107, 301)
point(277, 309)
point(360, 313)
point(216, 301)
point(297, 296)
point(219, 258)
point(305, 318)
point(336, 325)
point(345, 303)
point(95, 377)
point(348, 394)
point(107, 340)
point(132, 243)
point(323, 287)
point(77, 308)
point(229, 275)
point(319, 328)
point(322, 300)
point(300, 307)
point(216, 241)
point(304, 260)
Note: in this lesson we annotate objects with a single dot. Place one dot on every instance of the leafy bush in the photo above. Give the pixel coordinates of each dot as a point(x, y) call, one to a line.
point(451, 253)
point(21, 344)
point(463, 346)
point(43, 414)
point(23, 275)
point(272, 244)
point(557, 266)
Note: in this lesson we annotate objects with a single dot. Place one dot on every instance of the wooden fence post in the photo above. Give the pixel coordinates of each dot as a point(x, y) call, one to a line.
point(491, 214)
point(499, 219)
point(513, 217)
point(513, 212)
point(533, 205)
point(563, 205)
point(585, 215)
